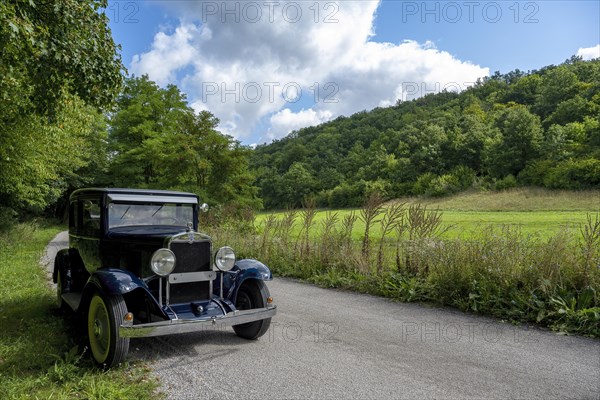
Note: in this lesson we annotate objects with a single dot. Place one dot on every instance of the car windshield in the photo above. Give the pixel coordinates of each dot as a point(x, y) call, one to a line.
point(135, 214)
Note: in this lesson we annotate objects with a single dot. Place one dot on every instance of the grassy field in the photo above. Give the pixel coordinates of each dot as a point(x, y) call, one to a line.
point(534, 211)
point(41, 352)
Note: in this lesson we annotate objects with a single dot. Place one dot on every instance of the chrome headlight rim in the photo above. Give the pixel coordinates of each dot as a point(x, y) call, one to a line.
point(225, 259)
point(162, 262)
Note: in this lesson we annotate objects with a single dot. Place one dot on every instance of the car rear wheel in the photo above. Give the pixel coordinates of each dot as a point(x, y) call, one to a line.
point(105, 315)
point(252, 294)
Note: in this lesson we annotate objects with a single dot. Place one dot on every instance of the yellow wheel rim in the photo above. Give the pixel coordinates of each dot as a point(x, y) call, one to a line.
point(99, 329)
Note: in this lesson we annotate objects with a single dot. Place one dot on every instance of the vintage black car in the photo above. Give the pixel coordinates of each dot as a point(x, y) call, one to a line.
point(137, 266)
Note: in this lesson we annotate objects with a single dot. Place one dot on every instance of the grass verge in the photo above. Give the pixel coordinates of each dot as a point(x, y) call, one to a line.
point(41, 352)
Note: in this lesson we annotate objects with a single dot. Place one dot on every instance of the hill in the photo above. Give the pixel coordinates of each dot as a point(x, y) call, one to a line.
point(540, 128)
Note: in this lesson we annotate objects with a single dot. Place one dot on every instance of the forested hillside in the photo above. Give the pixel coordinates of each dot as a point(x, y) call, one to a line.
point(540, 128)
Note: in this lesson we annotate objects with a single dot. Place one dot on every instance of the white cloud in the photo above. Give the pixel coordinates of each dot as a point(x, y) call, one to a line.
point(243, 68)
point(169, 53)
point(286, 121)
point(589, 53)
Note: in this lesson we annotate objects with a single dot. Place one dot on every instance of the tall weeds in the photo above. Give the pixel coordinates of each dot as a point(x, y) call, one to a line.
point(371, 210)
point(328, 242)
point(499, 271)
point(307, 216)
point(590, 245)
point(393, 218)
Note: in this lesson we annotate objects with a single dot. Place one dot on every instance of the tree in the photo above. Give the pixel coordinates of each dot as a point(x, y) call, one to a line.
point(145, 118)
point(297, 184)
point(48, 46)
point(157, 140)
point(40, 160)
point(59, 67)
point(557, 85)
point(491, 130)
point(518, 140)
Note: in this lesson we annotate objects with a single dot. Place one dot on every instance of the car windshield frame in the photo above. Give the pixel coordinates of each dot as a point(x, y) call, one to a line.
point(128, 214)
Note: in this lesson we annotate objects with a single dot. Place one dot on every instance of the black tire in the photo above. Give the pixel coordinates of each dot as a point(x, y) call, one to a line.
point(252, 294)
point(105, 315)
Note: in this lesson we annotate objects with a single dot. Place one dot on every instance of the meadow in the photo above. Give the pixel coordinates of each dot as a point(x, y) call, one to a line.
point(534, 211)
point(526, 256)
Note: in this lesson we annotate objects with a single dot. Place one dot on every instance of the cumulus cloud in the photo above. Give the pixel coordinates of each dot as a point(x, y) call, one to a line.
point(258, 61)
point(169, 53)
point(589, 53)
point(286, 121)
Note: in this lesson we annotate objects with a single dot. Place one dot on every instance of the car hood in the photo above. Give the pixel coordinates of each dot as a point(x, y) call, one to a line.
point(144, 233)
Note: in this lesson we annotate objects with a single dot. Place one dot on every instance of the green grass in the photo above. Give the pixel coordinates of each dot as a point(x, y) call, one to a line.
point(516, 200)
point(534, 211)
point(41, 352)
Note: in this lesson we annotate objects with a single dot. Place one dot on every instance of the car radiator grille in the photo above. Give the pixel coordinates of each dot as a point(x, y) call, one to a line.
point(191, 257)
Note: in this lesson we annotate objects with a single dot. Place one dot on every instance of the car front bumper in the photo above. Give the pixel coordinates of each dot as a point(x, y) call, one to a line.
point(175, 326)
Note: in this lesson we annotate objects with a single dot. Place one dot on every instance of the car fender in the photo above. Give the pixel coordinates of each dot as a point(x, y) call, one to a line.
point(110, 282)
point(74, 276)
point(59, 263)
point(244, 270)
point(115, 281)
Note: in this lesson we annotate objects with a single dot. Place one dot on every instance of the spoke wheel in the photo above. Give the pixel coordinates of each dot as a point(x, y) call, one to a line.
point(252, 294)
point(105, 315)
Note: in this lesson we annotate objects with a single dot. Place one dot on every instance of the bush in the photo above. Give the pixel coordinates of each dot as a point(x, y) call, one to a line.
point(535, 172)
point(8, 218)
point(461, 178)
point(423, 183)
point(505, 183)
point(347, 195)
point(443, 186)
point(574, 174)
point(401, 189)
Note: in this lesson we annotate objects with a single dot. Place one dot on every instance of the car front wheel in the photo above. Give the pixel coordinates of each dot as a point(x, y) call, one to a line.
point(252, 294)
point(105, 315)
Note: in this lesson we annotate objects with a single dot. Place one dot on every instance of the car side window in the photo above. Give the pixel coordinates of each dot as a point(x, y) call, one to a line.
point(90, 217)
point(73, 215)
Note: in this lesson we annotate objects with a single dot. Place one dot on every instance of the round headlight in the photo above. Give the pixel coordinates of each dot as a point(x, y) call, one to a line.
point(225, 258)
point(162, 262)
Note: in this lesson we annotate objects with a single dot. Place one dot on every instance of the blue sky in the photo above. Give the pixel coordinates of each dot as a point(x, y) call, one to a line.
point(266, 68)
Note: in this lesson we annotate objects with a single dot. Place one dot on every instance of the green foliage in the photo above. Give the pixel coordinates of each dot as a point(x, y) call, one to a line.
point(519, 140)
point(48, 47)
point(39, 160)
point(157, 141)
point(59, 67)
point(574, 174)
point(345, 195)
point(508, 182)
point(42, 354)
point(460, 178)
point(519, 124)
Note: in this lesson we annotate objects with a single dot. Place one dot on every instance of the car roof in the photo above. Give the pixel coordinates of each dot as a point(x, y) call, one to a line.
point(132, 192)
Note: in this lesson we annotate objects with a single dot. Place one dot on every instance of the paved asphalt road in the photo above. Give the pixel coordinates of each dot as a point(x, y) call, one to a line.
point(332, 344)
